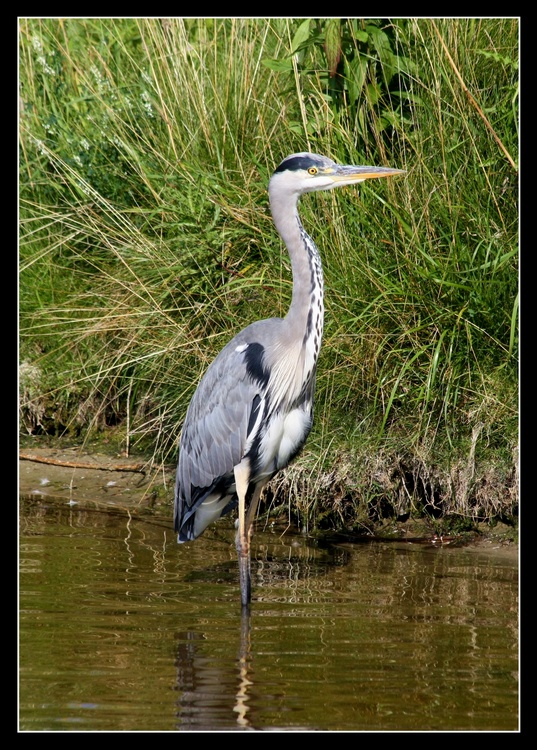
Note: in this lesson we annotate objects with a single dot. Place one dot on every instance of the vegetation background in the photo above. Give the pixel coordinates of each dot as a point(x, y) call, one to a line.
point(146, 241)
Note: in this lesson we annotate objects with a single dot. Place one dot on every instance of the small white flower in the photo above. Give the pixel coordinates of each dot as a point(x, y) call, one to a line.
point(36, 44)
point(46, 67)
point(146, 103)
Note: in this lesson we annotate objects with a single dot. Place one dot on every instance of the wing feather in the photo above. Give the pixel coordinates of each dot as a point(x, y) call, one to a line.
point(214, 435)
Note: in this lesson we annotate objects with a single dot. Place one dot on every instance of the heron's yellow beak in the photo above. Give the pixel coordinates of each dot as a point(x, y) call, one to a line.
point(352, 174)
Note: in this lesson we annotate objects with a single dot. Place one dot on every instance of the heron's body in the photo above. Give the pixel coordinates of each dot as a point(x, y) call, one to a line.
point(253, 408)
point(268, 434)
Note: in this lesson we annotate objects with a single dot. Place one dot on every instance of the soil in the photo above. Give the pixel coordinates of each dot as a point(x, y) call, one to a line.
point(100, 480)
point(83, 477)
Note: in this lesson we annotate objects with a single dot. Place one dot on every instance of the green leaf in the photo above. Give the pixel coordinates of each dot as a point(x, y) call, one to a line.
point(301, 35)
point(332, 44)
point(355, 73)
point(280, 66)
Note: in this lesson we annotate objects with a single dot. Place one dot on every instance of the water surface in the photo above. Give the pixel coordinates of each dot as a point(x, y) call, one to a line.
point(123, 629)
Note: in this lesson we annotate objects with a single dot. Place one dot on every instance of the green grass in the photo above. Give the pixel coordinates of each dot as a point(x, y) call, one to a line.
point(146, 241)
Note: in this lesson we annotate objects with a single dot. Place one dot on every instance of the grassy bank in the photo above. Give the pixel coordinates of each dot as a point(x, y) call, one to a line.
point(146, 242)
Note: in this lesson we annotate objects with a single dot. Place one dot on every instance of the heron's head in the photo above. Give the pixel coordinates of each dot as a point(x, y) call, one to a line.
point(305, 173)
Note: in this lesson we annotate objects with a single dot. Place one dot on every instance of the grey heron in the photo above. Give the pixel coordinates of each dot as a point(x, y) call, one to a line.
point(253, 408)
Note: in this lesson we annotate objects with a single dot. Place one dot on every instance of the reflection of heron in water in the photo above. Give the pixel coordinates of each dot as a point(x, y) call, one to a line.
point(209, 693)
point(253, 408)
point(216, 693)
point(241, 707)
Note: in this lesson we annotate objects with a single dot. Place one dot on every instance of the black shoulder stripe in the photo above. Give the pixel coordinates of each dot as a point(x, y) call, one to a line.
point(253, 414)
point(253, 356)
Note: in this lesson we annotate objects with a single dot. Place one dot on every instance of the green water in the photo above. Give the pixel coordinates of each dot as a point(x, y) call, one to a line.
point(120, 629)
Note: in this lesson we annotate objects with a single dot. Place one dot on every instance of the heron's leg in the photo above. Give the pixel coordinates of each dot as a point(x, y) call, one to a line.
point(242, 474)
point(249, 526)
point(252, 509)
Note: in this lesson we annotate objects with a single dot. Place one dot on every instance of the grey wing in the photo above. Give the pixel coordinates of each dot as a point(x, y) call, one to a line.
point(215, 433)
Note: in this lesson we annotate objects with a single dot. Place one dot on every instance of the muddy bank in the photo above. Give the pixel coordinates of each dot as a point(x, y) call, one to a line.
point(79, 476)
point(96, 479)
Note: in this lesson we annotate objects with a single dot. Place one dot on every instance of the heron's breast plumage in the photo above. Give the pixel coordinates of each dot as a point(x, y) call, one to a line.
point(287, 411)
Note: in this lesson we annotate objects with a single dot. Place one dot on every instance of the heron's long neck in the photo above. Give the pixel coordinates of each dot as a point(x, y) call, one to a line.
point(306, 312)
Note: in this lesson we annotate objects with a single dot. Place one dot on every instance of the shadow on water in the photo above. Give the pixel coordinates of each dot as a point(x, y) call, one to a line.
point(123, 629)
point(275, 560)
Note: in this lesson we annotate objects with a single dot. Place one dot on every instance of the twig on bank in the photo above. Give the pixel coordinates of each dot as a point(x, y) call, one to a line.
point(81, 464)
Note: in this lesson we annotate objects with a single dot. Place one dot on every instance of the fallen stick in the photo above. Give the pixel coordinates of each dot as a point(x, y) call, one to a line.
point(81, 464)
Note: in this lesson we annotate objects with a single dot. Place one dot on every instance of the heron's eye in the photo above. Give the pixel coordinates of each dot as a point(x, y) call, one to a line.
point(312, 170)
